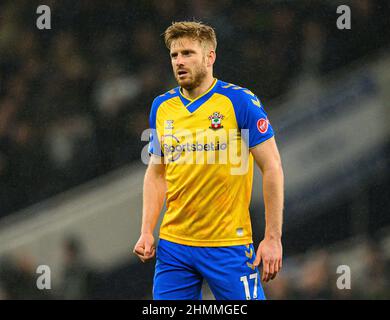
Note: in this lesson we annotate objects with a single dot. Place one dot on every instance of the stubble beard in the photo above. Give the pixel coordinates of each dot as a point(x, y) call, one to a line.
point(196, 78)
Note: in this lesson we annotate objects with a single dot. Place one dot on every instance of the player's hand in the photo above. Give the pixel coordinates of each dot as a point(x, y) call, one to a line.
point(144, 248)
point(270, 253)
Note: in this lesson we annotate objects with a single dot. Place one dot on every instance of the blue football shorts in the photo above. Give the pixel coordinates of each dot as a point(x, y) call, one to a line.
point(180, 270)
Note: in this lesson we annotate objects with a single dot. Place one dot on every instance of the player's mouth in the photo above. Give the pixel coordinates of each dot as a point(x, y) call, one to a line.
point(182, 73)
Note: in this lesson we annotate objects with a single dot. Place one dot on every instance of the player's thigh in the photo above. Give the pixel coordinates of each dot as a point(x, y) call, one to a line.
point(174, 278)
point(231, 275)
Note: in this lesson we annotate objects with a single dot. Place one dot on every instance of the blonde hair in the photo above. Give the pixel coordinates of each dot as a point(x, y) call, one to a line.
point(192, 29)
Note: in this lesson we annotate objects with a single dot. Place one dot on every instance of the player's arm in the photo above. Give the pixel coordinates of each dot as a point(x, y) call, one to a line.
point(267, 157)
point(154, 190)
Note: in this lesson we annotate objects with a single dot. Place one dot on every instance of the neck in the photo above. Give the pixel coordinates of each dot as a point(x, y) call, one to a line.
point(199, 90)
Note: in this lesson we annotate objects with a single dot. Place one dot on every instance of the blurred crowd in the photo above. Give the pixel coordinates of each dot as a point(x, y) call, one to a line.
point(75, 99)
point(312, 275)
point(322, 274)
point(19, 277)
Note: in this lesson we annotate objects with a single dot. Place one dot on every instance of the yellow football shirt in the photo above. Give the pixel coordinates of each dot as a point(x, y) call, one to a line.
point(204, 144)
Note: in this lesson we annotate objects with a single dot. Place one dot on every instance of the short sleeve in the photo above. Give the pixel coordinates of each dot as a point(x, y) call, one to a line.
point(251, 118)
point(154, 144)
point(256, 121)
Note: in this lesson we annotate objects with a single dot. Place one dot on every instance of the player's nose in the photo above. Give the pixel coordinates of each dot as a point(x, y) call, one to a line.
point(179, 61)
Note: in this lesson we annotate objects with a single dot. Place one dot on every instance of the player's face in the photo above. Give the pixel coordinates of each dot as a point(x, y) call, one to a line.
point(189, 62)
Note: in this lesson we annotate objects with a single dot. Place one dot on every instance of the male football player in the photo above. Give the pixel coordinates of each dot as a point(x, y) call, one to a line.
point(200, 130)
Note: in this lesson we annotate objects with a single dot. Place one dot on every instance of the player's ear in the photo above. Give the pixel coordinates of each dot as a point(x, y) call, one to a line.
point(211, 56)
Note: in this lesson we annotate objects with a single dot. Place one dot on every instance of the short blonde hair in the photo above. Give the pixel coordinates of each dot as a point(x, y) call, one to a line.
point(192, 29)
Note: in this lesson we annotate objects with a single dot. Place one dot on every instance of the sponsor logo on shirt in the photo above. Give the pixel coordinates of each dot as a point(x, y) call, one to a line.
point(168, 124)
point(262, 125)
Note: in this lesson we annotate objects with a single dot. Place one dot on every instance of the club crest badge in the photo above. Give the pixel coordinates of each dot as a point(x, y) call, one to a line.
point(216, 121)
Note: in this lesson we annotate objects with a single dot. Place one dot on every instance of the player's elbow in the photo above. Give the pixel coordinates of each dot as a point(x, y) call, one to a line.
point(273, 166)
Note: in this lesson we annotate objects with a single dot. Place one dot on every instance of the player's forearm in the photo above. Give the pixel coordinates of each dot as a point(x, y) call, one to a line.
point(153, 200)
point(273, 192)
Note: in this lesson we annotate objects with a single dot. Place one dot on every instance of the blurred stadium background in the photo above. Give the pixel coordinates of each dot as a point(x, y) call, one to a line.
point(74, 101)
